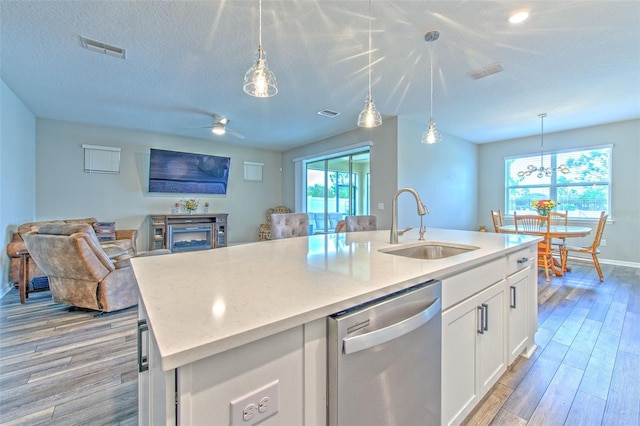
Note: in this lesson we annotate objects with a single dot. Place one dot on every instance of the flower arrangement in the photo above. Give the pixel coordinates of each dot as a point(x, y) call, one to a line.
point(543, 207)
point(190, 205)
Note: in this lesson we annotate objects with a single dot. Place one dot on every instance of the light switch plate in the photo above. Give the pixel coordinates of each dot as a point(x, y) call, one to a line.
point(255, 406)
point(380, 206)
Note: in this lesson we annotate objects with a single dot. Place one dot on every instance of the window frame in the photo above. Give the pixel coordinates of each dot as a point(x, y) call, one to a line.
point(553, 186)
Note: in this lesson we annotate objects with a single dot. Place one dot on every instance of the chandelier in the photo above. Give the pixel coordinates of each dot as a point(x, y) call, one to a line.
point(431, 135)
point(369, 116)
point(260, 81)
point(542, 171)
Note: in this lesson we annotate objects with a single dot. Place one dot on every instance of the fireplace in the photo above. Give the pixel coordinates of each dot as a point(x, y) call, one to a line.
point(189, 237)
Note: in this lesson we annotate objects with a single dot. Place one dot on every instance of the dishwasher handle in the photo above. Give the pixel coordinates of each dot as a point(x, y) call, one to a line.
point(393, 331)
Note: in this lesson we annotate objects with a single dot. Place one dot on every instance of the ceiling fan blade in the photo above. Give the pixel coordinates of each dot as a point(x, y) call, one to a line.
point(234, 133)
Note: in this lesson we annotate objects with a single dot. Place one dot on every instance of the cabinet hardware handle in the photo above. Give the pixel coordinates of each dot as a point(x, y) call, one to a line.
point(481, 322)
point(143, 359)
point(523, 260)
point(513, 297)
point(486, 316)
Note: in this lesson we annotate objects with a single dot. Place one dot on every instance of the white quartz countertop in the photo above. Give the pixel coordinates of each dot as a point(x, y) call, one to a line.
point(203, 303)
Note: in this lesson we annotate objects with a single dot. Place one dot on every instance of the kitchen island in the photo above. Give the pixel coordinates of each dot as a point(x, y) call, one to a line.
point(226, 322)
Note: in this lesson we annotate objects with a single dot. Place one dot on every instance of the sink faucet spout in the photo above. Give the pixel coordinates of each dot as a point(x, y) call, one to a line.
point(422, 210)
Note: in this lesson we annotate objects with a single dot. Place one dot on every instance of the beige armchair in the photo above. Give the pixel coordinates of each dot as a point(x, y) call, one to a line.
point(289, 225)
point(360, 223)
point(265, 228)
point(80, 272)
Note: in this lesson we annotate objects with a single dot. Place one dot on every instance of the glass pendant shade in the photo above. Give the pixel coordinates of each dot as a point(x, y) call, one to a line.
point(432, 135)
point(260, 81)
point(369, 116)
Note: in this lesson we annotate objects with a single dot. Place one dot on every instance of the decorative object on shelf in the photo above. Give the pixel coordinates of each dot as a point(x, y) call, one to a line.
point(369, 116)
point(542, 171)
point(431, 135)
point(543, 207)
point(260, 81)
point(190, 205)
point(175, 209)
point(206, 207)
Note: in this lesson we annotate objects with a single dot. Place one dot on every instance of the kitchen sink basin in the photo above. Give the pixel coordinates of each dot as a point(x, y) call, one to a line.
point(429, 250)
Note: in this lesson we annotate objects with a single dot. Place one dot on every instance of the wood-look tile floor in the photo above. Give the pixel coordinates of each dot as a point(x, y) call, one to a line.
point(66, 368)
point(60, 367)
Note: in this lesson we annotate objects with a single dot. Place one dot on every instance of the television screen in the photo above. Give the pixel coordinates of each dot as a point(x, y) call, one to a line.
point(172, 171)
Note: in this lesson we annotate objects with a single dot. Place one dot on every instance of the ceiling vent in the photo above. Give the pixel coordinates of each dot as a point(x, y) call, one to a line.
point(98, 46)
point(328, 113)
point(483, 72)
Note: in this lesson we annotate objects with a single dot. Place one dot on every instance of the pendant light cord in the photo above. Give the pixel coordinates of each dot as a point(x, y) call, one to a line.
point(260, 25)
point(431, 95)
point(542, 116)
point(369, 47)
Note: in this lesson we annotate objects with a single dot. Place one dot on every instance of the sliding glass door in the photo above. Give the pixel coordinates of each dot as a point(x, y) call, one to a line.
point(336, 187)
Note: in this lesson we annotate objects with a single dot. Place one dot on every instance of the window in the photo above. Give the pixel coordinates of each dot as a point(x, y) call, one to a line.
point(584, 192)
point(337, 186)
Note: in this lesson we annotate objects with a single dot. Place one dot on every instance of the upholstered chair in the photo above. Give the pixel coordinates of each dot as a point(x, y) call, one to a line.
point(287, 225)
point(264, 232)
point(360, 223)
point(80, 272)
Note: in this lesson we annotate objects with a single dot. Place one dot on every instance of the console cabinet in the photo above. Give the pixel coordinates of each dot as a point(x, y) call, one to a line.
point(187, 232)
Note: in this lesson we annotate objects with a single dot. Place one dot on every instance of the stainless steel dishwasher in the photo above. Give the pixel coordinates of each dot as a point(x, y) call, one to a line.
point(384, 360)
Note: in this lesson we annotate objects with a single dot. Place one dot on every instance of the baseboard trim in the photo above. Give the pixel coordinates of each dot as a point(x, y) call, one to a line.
point(606, 261)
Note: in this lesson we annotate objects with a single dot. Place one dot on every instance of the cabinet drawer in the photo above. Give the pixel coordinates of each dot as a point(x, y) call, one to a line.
point(458, 287)
point(520, 259)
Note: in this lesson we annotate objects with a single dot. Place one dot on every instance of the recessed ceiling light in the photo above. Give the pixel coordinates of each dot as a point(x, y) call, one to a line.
point(519, 16)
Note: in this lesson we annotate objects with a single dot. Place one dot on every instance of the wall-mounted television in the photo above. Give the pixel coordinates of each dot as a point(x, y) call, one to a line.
point(172, 171)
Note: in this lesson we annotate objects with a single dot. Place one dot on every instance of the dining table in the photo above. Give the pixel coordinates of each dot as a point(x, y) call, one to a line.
point(555, 231)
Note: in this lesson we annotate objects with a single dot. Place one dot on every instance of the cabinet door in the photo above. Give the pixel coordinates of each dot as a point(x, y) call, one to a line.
point(156, 388)
point(518, 308)
point(491, 342)
point(459, 376)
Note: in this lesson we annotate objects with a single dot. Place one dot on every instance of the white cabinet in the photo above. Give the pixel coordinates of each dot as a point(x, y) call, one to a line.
point(473, 351)
point(522, 303)
point(156, 388)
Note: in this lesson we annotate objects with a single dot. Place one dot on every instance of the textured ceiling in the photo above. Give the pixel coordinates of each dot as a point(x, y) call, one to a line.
point(578, 61)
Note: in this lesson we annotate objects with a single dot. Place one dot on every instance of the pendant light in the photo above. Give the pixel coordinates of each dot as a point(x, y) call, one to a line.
point(369, 116)
point(431, 135)
point(260, 81)
point(542, 171)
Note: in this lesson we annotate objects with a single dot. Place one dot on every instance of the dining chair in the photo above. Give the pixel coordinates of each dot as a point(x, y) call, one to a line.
point(496, 217)
point(538, 225)
point(360, 223)
point(287, 225)
point(558, 219)
point(592, 249)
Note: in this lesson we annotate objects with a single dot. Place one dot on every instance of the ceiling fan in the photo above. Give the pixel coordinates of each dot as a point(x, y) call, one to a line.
point(219, 126)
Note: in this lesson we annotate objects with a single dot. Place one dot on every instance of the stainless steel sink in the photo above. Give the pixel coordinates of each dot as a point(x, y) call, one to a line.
point(429, 250)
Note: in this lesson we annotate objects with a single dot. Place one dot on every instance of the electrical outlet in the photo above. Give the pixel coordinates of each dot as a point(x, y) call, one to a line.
point(603, 243)
point(380, 206)
point(256, 406)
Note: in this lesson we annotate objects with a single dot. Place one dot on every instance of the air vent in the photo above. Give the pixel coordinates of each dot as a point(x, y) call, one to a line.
point(98, 46)
point(328, 113)
point(479, 73)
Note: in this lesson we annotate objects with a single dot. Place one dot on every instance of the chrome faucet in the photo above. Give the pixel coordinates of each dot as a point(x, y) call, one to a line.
point(422, 210)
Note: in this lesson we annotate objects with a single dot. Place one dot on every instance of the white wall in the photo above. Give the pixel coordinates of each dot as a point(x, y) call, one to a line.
point(64, 190)
point(445, 175)
point(623, 234)
point(382, 158)
point(17, 162)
